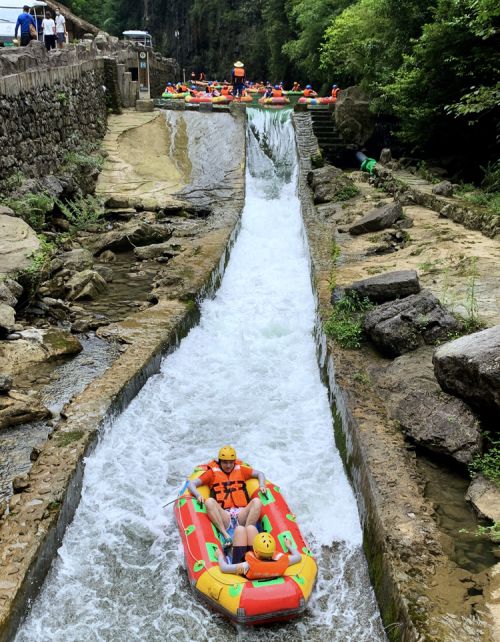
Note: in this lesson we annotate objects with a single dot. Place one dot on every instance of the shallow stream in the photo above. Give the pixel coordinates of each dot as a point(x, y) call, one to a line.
point(246, 375)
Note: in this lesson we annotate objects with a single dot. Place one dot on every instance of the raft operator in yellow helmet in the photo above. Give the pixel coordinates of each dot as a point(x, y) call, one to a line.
point(229, 505)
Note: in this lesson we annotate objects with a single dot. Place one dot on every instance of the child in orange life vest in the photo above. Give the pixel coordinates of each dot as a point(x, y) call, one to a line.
point(263, 562)
point(230, 506)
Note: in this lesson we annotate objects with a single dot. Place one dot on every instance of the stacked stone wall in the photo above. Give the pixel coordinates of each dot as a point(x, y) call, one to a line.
point(51, 104)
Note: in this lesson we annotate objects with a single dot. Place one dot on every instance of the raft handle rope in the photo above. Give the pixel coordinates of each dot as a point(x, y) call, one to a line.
point(208, 569)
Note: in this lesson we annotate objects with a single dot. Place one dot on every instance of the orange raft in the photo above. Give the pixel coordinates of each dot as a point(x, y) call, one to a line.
point(245, 601)
point(274, 100)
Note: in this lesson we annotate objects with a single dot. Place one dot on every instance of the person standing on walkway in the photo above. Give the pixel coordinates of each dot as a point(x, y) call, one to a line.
point(61, 32)
point(49, 31)
point(26, 23)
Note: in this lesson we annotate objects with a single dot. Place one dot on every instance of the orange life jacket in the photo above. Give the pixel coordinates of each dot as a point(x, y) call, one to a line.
point(334, 93)
point(225, 91)
point(308, 92)
point(229, 491)
point(277, 93)
point(171, 90)
point(184, 88)
point(262, 569)
point(239, 72)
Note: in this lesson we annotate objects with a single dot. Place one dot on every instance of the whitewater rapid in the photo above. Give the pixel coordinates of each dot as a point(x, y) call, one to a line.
point(246, 375)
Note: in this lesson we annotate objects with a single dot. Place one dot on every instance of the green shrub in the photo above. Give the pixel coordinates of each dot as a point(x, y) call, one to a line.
point(32, 208)
point(347, 192)
point(83, 212)
point(488, 464)
point(345, 324)
point(41, 258)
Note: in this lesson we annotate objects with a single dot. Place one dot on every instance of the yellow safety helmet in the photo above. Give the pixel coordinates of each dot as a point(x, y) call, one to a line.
point(227, 453)
point(264, 545)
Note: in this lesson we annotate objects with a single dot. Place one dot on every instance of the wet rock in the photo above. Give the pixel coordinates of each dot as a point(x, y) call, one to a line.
point(20, 483)
point(484, 495)
point(7, 319)
point(117, 202)
point(379, 218)
point(17, 408)
point(444, 188)
point(77, 259)
point(56, 308)
point(18, 242)
point(166, 250)
point(55, 287)
point(469, 368)
point(328, 182)
point(85, 285)
point(107, 257)
point(131, 235)
point(387, 286)
point(6, 296)
point(440, 423)
point(404, 325)
point(5, 383)
point(105, 272)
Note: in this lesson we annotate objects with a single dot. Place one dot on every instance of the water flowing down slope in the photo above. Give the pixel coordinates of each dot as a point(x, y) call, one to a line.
point(247, 375)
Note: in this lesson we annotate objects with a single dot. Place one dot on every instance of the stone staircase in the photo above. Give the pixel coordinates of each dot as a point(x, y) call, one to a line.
point(330, 141)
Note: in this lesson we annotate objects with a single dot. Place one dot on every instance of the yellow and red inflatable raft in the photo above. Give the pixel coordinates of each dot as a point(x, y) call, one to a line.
point(318, 100)
point(274, 100)
point(245, 601)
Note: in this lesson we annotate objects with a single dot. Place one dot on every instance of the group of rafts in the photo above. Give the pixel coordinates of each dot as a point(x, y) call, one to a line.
point(223, 94)
point(277, 575)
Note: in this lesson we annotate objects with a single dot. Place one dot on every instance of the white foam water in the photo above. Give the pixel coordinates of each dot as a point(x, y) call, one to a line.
point(246, 375)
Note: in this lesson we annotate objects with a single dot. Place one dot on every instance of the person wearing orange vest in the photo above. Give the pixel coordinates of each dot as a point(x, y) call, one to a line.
point(238, 77)
point(277, 92)
point(225, 90)
point(296, 86)
point(263, 562)
point(229, 505)
point(335, 91)
point(309, 92)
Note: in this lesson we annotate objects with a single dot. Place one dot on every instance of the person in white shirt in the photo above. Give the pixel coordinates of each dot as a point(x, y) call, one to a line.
point(61, 32)
point(49, 31)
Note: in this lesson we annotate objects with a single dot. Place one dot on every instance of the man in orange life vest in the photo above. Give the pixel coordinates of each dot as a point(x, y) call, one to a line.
point(335, 92)
point(229, 506)
point(238, 77)
point(263, 562)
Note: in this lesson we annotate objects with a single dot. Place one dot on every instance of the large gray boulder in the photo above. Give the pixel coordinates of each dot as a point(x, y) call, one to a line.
point(6, 296)
point(85, 285)
point(328, 183)
point(386, 287)
point(353, 117)
point(129, 236)
point(440, 423)
point(469, 368)
point(377, 219)
point(400, 326)
point(18, 243)
point(166, 250)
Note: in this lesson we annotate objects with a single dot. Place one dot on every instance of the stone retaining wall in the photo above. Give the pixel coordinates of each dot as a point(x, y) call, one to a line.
point(51, 103)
